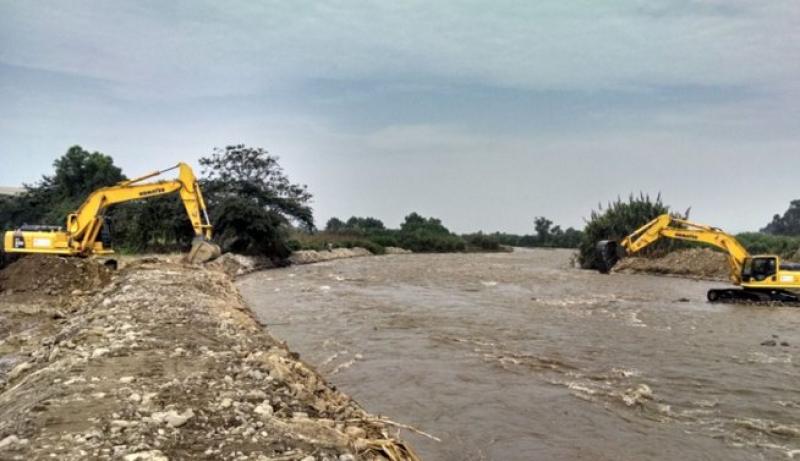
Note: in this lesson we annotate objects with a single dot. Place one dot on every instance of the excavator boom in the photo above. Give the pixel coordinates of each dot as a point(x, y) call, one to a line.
point(80, 236)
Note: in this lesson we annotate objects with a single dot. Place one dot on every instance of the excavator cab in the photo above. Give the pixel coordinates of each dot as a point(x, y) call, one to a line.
point(759, 268)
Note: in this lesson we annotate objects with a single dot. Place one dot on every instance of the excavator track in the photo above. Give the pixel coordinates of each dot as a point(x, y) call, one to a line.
point(757, 297)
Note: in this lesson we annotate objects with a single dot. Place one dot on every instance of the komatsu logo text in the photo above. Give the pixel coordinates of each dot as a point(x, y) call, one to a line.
point(686, 236)
point(160, 190)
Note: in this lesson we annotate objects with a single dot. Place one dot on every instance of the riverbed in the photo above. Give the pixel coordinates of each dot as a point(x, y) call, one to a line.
point(520, 356)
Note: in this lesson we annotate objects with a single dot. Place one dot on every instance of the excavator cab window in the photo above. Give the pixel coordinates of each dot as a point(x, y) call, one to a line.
point(759, 268)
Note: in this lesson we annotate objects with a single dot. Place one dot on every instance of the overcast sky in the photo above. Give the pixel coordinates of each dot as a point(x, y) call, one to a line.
point(484, 114)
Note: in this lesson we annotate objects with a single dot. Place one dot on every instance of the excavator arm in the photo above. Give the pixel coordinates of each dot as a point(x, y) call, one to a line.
point(679, 229)
point(84, 225)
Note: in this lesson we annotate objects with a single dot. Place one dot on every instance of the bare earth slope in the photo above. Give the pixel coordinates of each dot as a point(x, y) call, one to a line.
point(700, 263)
point(166, 362)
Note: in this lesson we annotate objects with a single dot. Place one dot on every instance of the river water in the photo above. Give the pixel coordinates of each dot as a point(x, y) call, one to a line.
point(521, 357)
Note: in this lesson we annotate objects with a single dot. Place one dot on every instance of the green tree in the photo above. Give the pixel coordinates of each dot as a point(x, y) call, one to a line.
point(364, 225)
point(253, 202)
point(334, 225)
point(77, 173)
point(788, 224)
point(618, 220)
point(421, 234)
point(542, 226)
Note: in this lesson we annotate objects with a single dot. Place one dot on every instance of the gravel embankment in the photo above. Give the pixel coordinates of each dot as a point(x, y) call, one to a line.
point(166, 362)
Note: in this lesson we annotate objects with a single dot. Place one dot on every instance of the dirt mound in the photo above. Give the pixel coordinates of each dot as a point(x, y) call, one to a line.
point(696, 262)
point(53, 275)
point(236, 265)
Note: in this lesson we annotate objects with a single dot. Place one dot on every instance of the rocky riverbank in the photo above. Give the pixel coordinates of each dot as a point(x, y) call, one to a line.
point(164, 361)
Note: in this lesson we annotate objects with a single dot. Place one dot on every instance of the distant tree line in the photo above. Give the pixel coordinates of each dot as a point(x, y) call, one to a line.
point(417, 233)
point(421, 234)
point(546, 236)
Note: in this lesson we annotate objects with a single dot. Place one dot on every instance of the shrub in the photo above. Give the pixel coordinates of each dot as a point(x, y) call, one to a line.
point(483, 242)
point(370, 246)
point(320, 241)
point(617, 221)
point(422, 241)
point(421, 235)
point(386, 239)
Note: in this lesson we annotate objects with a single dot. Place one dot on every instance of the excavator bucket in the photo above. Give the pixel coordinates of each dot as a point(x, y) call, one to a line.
point(203, 251)
point(608, 252)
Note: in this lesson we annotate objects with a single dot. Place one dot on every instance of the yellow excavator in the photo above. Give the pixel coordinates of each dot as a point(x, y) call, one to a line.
point(761, 278)
point(83, 227)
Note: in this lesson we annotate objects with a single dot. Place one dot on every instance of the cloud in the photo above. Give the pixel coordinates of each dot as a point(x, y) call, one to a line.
point(483, 114)
point(207, 48)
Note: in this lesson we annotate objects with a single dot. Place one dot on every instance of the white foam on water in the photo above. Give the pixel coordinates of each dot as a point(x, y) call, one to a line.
point(706, 403)
point(760, 357)
point(634, 320)
point(578, 387)
point(625, 372)
point(343, 366)
point(637, 395)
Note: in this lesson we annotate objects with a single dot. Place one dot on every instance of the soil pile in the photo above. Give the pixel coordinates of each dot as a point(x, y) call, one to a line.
point(702, 263)
point(53, 275)
point(236, 265)
point(166, 362)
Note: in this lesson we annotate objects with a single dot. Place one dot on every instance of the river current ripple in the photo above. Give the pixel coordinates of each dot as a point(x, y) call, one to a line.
point(522, 357)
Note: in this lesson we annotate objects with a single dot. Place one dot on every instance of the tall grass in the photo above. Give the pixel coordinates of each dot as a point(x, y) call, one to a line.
point(616, 221)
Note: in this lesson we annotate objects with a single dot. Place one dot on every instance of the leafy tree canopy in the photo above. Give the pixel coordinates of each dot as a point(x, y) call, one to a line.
point(415, 222)
point(616, 221)
point(77, 173)
point(788, 224)
point(334, 225)
point(356, 225)
point(253, 202)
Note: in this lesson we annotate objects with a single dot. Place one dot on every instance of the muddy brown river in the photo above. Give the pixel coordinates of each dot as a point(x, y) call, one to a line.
point(521, 357)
